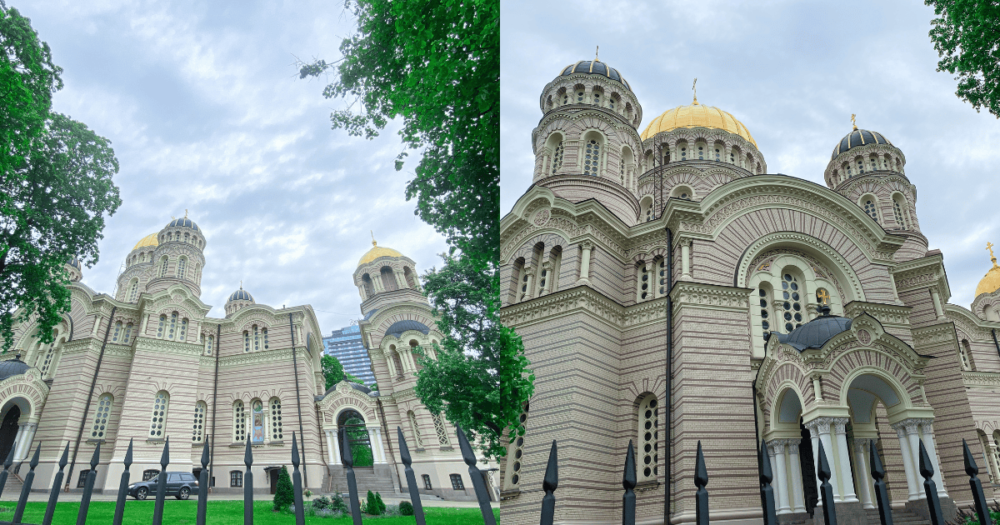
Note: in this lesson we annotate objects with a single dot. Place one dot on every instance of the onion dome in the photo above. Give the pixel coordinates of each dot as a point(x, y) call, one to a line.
point(397, 328)
point(240, 295)
point(858, 137)
point(991, 281)
point(149, 240)
point(12, 367)
point(595, 67)
point(75, 263)
point(376, 252)
point(182, 223)
point(817, 332)
point(697, 116)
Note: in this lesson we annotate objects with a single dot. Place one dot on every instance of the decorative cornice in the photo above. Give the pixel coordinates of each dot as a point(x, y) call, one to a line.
point(981, 379)
point(922, 273)
point(710, 296)
point(586, 299)
point(890, 314)
point(934, 335)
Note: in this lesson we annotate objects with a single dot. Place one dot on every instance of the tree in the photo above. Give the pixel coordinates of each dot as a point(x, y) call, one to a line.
point(55, 185)
point(333, 371)
point(436, 64)
point(965, 35)
point(284, 493)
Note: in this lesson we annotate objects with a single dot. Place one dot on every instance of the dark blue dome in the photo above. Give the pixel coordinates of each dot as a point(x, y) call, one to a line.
point(12, 367)
point(240, 295)
point(858, 137)
point(817, 332)
point(75, 263)
point(595, 67)
point(399, 327)
point(183, 223)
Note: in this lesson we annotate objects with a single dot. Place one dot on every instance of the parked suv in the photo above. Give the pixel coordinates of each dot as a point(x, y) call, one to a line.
point(179, 484)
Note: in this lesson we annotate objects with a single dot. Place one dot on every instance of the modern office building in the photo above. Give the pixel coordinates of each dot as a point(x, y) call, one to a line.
point(346, 345)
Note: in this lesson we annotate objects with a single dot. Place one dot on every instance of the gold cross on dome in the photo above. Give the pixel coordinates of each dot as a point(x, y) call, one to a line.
point(694, 87)
point(989, 246)
point(822, 295)
point(597, 53)
point(853, 122)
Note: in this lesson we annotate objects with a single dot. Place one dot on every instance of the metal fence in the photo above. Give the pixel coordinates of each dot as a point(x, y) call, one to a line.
point(482, 495)
point(982, 513)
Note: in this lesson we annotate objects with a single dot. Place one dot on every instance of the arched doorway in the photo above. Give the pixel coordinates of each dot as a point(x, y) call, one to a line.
point(354, 426)
point(790, 453)
point(8, 431)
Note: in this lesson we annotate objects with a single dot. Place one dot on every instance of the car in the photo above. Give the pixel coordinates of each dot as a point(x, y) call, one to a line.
point(181, 485)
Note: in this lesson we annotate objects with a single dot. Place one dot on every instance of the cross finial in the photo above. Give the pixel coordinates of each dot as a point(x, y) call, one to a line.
point(241, 284)
point(822, 295)
point(989, 246)
point(185, 213)
point(373, 238)
point(694, 87)
point(853, 122)
point(597, 53)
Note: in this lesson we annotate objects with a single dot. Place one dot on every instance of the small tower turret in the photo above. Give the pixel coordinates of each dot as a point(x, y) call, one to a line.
point(237, 300)
point(385, 275)
point(179, 256)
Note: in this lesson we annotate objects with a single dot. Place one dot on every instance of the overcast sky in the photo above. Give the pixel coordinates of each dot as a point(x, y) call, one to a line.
point(792, 72)
point(205, 111)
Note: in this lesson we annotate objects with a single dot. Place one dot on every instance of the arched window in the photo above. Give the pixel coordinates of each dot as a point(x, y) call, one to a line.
point(456, 481)
point(592, 157)
point(870, 206)
point(661, 279)
point(256, 339)
point(515, 451)
point(128, 333)
point(366, 281)
point(118, 332)
point(646, 212)
point(847, 168)
point(541, 281)
point(861, 166)
point(556, 257)
point(235, 478)
point(170, 236)
point(173, 326)
point(211, 345)
point(163, 266)
point(158, 424)
point(47, 361)
point(187, 238)
point(701, 152)
point(442, 434)
point(643, 282)
point(198, 431)
point(101, 415)
point(621, 170)
point(897, 212)
point(389, 283)
point(965, 355)
point(791, 301)
point(276, 433)
point(611, 101)
point(246, 341)
point(133, 292)
point(525, 277)
point(648, 451)
point(398, 364)
point(263, 332)
point(764, 293)
point(873, 162)
point(184, 330)
point(682, 191)
point(683, 151)
point(732, 158)
point(161, 326)
point(579, 96)
point(427, 482)
point(597, 99)
point(239, 422)
point(415, 429)
point(181, 267)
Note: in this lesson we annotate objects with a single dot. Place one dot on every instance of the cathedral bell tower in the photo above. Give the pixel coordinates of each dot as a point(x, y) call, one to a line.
point(586, 144)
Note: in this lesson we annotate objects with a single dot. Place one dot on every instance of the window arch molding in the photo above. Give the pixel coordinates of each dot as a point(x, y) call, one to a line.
point(626, 167)
point(870, 205)
point(599, 149)
point(647, 417)
point(901, 210)
point(646, 211)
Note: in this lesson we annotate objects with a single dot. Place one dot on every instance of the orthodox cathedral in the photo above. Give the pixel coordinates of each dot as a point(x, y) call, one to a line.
point(670, 290)
point(147, 363)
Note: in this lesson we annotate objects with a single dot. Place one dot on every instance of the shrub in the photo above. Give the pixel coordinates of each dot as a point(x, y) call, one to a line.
point(405, 508)
point(284, 495)
point(373, 506)
point(381, 506)
point(322, 502)
point(308, 493)
point(338, 504)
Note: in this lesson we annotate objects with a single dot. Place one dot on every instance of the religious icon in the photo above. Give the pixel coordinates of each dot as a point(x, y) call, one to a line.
point(258, 422)
point(823, 296)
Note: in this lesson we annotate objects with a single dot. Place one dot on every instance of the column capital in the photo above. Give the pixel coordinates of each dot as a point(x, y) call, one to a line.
point(587, 245)
point(822, 424)
point(793, 447)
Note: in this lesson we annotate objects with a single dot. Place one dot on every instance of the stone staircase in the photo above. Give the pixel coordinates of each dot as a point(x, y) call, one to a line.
point(367, 478)
point(899, 517)
point(12, 490)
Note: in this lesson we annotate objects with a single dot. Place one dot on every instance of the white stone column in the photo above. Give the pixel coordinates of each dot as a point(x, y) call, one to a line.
point(381, 446)
point(329, 447)
point(861, 464)
point(686, 259)
point(820, 427)
point(844, 455)
point(776, 450)
point(913, 436)
point(936, 299)
point(361, 290)
point(798, 496)
point(529, 283)
point(585, 263)
point(547, 268)
point(400, 280)
point(911, 471)
point(335, 437)
point(927, 427)
point(992, 461)
point(17, 442)
point(24, 445)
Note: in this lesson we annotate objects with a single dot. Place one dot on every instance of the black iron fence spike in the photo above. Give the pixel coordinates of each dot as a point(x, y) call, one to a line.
point(978, 498)
point(96, 458)
point(930, 488)
point(165, 457)
point(701, 496)
point(248, 485)
point(161, 483)
point(411, 479)
point(204, 456)
point(549, 484)
point(64, 459)
point(50, 508)
point(300, 515)
point(34, 458)
point(128, 455)
point(88, 487)
point(295, 451)
point(123, 487)
point(26, 487)
point(352, 483)
point(628, 483)
point(881, 491)
point(826, 490)
point(248, 455)
point(476, 476)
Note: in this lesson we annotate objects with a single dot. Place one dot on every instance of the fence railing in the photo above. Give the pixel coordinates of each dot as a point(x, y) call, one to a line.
point(926, 468)
point(482, 494)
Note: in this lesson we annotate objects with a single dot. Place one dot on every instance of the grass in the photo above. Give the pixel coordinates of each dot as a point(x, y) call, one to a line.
point(219, 513)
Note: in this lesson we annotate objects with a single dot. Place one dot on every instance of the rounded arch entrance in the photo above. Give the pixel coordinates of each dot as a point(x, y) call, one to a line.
point(355, 431)
point(16, 430)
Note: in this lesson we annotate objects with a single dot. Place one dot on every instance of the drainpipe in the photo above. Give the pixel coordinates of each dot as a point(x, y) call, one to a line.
point(388, 441)
point(90, 395)
point(670, 370)
point(215, 406)
point(298, 402)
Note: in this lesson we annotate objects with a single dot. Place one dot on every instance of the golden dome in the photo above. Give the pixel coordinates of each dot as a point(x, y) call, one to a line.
point(376, 252)
point(697, 116)
point(149, 240)
point(991, 281)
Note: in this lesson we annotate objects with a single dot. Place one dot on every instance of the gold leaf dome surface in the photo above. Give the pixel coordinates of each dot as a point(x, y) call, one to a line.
point(149, 240)
point(376, 252)
point(990, 282)
point(697, 116)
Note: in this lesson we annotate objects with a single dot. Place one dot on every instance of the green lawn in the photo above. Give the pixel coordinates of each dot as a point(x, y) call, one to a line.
point(219, 513)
